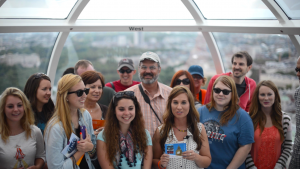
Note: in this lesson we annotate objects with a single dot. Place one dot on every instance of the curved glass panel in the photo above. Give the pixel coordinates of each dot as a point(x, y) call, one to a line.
point(58, 9)
point(290, 7)
point(274, 58)
point(105, 49)
point(135, 9)
point(234, 9)
point(23, 54)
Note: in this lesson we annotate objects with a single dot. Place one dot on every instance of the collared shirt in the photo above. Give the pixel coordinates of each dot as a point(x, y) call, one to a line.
point(158, 102)
point(178, 163)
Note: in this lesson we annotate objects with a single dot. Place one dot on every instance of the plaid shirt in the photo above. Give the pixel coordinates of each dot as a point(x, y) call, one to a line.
point(295, 161)
point(158, 102)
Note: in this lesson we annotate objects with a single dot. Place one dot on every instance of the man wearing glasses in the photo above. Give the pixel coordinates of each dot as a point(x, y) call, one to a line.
point(156, 93)
point(295, 161)
point(199, 80)
point(241, 64)
point(126, 71)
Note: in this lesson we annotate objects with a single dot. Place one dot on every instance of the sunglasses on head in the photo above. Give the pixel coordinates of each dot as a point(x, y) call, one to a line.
point(224, 91)
point(297, 69)
point(80, 92)
point(38, 75)
point(127, 71)
point(185, 81)
point(121, 94)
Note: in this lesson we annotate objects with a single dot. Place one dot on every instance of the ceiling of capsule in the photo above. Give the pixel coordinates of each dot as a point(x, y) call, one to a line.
point(146, 9)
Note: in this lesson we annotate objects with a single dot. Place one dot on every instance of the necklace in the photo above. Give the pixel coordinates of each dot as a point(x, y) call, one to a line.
point(180, 130)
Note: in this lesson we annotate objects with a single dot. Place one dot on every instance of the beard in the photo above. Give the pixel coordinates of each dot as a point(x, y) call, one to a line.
point(241, 73)
point(148, 81)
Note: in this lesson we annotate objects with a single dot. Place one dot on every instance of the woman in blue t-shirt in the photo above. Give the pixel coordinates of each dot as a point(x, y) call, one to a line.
point(124, 142)
point(229, 128)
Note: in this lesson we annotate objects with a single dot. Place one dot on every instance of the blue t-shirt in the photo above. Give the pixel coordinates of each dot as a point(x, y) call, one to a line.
point(138, 156)
point(224, 140)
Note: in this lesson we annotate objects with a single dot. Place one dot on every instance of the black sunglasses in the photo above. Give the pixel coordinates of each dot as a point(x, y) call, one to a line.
point(185, 81)
point(197, 77)
point(297, 69)
point(127, 71)
point(224, 91)
point(80, 92)
point(121, 94)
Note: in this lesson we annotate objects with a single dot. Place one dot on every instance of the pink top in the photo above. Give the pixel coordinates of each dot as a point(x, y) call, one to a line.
point(266, 150)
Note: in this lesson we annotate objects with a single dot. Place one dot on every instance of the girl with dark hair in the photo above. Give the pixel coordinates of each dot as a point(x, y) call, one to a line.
point(38, 92)
point(181, 125)
point(229, 128)
point(273, 133)
point(94, 81)
point(124, 142)
point(184, 78)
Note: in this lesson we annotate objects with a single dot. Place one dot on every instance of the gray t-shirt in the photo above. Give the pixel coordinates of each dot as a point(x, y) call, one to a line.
point(21, 152)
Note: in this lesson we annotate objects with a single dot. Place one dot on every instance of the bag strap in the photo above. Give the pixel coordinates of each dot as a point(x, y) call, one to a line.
point(112, 85)
point(147, 100)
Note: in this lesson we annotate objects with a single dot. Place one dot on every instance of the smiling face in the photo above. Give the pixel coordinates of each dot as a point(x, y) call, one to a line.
point(126, 78)
point(239, 67)
point(266, 97)
point(95, 91)
point(180, 106)
point(125, 111)
point(74, 101)
point(43, 92)
point(14, 109)
point(181, 84)
point(198, 80)
point(149, 71)
point(221, 99)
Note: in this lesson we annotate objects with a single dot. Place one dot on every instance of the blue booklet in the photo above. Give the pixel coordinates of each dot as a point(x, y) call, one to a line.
point(71, 148)
point(175, 150)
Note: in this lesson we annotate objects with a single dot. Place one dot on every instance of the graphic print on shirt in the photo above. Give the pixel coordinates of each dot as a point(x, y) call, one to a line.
point(20, 158)
point(214, 130)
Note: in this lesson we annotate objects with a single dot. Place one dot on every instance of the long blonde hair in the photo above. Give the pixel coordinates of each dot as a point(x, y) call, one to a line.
point(26, 121)
point(62, 108)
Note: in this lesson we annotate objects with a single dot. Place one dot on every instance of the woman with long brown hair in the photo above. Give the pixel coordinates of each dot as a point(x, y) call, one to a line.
point(273, 133)
point(181, 125)
point(229, 128)
point(124, 142)
point(184, 78)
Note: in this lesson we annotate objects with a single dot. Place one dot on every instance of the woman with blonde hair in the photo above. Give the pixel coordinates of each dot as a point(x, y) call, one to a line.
point(229, 128)
point(68, 117)
point(124, 142)
point(22, 144)
point(181, 125)
point(273, 133)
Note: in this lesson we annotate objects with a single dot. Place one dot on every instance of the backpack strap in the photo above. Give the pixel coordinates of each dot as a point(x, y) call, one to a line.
point(112, 85)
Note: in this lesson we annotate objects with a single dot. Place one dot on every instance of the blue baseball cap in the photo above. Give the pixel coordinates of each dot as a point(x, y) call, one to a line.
point(196, 70)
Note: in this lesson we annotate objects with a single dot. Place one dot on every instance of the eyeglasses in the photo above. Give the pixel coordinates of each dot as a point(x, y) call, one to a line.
point(38, 75)
point(127, 71)
point(80, 92)
point(224, 91)
point(121, 94)
point(185, 81)
point(297, 69)
point(151, 67)
point(197, 77)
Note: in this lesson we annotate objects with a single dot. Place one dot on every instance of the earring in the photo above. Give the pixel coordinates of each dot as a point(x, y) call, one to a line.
point(67, 100)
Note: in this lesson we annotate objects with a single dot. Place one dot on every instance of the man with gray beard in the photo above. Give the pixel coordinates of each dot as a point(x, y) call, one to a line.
point(158, 93)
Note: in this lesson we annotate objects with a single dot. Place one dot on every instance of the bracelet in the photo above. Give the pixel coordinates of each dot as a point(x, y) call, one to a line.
point(158, 164)
point(92, 152)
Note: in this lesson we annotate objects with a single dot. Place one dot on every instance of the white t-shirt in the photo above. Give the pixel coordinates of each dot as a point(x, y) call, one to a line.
point(21, 152)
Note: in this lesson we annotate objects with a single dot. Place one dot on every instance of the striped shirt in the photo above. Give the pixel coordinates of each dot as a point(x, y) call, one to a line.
point(295, 161)
point(158, 102)
point(286, 146)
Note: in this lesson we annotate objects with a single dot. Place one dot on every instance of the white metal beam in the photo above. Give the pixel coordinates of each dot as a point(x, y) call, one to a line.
point(210, 40)
point(284, 21)
point(62, 37)
point(2, 2)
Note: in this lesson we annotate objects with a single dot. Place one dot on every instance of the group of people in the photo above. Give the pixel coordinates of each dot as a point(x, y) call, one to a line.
point(233, 124)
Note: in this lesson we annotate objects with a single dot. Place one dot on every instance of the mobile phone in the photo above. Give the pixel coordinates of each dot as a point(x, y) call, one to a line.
point(82, 130)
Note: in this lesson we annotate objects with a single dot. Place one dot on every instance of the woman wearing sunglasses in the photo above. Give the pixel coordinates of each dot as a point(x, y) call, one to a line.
point(184, 78)
point(181, 125)
point(124, 142)
point(68, 117)
point(229, 128)
point(38, 91)
point(273, 133)
point(21, 142)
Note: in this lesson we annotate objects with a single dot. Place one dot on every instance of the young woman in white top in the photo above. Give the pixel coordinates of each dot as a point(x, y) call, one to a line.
point(21, 142)
point(181, 124)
